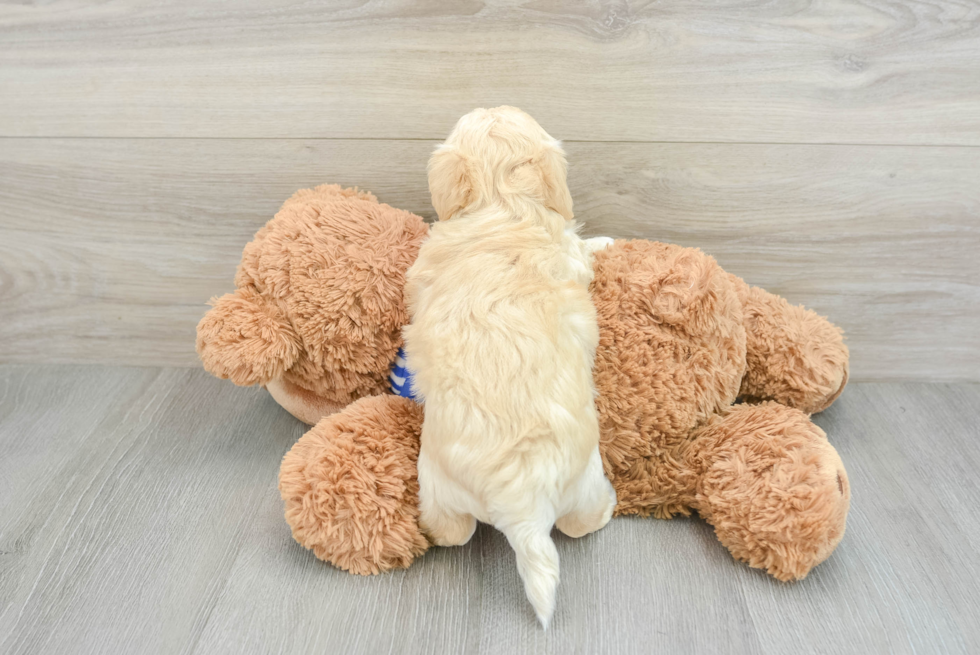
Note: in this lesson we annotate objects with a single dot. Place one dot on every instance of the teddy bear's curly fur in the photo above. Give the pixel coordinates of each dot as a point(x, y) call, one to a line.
point(680, 340)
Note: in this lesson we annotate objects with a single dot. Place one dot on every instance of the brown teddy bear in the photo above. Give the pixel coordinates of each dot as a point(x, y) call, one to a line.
point(317, 319)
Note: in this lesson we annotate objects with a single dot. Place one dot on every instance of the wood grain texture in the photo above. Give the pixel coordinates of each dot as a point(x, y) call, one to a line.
point(110, 248)
point(846, 71)
point(125, 493)
point(139, 514)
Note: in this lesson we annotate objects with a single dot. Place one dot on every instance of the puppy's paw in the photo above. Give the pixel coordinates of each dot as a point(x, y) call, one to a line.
point(596, 244)
point(449, 530)
point(580, 523)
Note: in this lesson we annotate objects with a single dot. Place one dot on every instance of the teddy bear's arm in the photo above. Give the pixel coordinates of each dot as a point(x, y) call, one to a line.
point(794, 356)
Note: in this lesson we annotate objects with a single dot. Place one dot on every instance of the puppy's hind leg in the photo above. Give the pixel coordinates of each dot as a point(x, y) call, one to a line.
point(591, 501)
point(438, 521)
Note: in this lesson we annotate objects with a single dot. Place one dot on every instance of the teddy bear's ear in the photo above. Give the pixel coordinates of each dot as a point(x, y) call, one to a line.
point(450, 181)
point(246, 339)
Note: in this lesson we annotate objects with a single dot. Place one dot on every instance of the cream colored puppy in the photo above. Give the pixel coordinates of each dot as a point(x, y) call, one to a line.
point(501, 345)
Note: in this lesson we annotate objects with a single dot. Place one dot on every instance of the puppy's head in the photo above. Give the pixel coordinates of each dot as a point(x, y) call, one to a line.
point(498, 153)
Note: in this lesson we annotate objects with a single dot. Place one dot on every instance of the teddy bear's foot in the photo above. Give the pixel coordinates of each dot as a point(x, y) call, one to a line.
point(350, 486)
point(773, 487)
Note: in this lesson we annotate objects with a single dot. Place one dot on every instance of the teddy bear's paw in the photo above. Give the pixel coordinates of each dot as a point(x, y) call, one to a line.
point(774, 489)
point(837, 383)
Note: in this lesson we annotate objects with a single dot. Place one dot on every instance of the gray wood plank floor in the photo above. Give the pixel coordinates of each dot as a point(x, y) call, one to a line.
point(139, 513)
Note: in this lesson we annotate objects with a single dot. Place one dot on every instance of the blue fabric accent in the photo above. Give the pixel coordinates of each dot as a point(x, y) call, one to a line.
point(401, 378)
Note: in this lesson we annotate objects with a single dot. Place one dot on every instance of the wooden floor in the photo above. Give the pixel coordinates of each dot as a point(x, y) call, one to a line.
point(140, 515)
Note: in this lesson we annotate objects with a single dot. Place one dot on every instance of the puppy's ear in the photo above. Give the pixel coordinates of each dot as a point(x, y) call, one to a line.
point(554, 180)
point(246, 339)
point(450, 181)
point(544, 178)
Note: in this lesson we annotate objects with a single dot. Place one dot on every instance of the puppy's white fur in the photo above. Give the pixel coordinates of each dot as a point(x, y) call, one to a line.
point(501, 345)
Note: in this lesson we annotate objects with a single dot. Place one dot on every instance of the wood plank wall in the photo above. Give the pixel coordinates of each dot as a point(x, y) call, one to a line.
point(828, 151)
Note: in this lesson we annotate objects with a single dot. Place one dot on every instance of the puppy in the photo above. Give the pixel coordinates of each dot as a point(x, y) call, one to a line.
point(501, 344)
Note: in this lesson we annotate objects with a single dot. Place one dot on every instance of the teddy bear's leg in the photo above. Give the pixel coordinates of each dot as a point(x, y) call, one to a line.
point(350, 486)
point(772, 486)
point(794, 356)
point(591, 503)
point(438, 520)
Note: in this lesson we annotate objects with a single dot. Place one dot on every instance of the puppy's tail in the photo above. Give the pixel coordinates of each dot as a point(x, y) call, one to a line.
point(537, 562)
